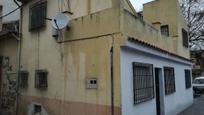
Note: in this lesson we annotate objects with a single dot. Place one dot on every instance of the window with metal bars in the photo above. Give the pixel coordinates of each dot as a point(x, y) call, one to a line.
point(169, 77)
point(38, 12)
point(185, 38)
point(165, 30)
point(23, 79)
point(41, 79)
point(143, 82)
point(188, 78)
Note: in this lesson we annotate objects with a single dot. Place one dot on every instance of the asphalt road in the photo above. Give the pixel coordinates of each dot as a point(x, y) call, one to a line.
point(197, 108)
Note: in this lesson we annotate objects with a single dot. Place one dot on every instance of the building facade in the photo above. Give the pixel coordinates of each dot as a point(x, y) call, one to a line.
point(9, 34)
point(108, 61)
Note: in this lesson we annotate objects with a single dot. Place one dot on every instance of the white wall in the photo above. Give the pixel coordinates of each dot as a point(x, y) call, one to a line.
point(174, 103)
point(9, 5)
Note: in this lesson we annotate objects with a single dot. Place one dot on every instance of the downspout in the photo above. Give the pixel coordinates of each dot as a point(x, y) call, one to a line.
point(19, 56)
point(112, 79)
point(19, 59)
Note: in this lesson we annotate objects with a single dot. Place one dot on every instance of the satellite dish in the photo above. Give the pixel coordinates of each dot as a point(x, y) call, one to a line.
point(60, 21)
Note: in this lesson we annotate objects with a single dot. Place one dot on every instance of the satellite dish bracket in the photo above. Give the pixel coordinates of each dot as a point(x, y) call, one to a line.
point(48, 19)
point(67, 12)
point(56, 24)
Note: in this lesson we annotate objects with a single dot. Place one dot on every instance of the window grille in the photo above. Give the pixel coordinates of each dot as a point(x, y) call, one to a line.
point(165, 30)
point(143, 83)
point(41, 79)
point(188, 78)
point(185, 38)
point(23, 79)
point(38, 12)
point(169, 78)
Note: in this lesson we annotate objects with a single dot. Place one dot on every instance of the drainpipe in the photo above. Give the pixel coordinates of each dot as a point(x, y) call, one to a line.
point(19, 56)
point(19, 59)
point(112, 81)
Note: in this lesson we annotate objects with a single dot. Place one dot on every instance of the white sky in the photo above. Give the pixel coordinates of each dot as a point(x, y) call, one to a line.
point(9, 5)
point(138, 4)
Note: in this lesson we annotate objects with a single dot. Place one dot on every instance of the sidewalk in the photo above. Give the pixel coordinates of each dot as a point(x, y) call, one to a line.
point(196, 109)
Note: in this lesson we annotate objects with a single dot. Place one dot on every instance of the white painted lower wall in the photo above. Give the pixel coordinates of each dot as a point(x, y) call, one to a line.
point(174, 103)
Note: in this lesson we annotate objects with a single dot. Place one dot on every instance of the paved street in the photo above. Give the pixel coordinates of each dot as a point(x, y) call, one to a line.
point(197, 108)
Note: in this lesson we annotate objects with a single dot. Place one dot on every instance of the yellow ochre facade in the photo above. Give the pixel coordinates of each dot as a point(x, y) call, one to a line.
point(83, 51)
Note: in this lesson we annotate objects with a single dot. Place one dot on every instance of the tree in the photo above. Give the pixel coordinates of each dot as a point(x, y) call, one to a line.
point(193, 11)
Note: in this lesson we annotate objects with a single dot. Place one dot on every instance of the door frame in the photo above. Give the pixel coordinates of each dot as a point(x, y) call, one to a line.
point(159, 91)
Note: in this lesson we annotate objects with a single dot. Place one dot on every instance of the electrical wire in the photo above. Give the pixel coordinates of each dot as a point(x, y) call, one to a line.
point(10, 12)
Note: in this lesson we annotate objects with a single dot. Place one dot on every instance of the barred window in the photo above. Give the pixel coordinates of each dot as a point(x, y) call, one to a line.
point(37, 15)
point(41, 79)
point(23, 79)
point(188, 78)
point(165, 30)
point(143, 83)
point(169, 78)
point(185, 37)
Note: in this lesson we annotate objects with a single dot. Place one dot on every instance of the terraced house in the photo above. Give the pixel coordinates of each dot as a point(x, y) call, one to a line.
point(107, 61)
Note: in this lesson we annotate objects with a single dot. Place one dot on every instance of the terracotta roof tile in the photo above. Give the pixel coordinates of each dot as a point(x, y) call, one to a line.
point(134, 40)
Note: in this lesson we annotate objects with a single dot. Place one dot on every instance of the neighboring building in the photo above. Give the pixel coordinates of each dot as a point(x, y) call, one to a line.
point(8, 6)
point(9, 33)
point(197, 58)
point(107, 62)
point(8, 67)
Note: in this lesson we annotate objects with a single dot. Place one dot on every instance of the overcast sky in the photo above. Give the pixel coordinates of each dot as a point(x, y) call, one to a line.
point(138, 4)
point(9, 5)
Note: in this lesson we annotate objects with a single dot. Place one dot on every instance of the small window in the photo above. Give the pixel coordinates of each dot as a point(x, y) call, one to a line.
point(41, 78)
point(37, 15)
point(188, 78)
point(37, 109)
point(169, 78)
point(185, 38)
point(143, 83)
point(165, 30)
point(23, 79)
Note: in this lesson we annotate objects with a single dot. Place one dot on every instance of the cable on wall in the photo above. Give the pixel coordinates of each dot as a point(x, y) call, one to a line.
point(1, 17)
